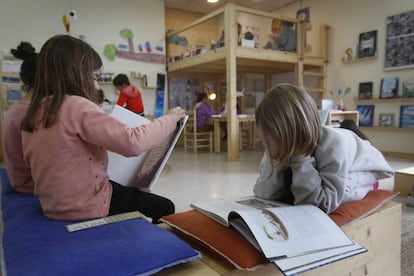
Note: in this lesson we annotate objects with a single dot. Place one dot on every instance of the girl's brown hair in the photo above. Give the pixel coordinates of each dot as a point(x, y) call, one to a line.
point(65, 67)
point(289, 123)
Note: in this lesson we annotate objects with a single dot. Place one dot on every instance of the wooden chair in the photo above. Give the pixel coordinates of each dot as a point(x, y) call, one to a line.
point(194, 139)
point(247, 135)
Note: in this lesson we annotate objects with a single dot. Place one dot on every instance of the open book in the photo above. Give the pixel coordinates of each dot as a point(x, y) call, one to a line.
point(295, 238)
point(140, 171)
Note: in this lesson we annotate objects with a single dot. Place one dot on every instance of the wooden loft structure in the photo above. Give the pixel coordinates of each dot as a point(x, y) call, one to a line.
point(232, 59)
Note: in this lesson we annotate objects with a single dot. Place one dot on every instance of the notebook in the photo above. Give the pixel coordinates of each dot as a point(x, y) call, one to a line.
point(144, 170)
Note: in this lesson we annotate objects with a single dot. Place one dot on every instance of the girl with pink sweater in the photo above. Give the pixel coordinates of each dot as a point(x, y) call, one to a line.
point(66, 135)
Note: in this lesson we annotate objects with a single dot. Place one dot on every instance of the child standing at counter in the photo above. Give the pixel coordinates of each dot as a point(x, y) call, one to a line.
point(129, 96)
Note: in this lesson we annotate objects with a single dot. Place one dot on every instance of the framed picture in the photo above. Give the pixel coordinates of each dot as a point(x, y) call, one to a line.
point(366, 115)
point(365, 90)
point(399, 41)
point(367, 46)
point(389, 87)
point(407, 116)
point(303, 14)
point(408, 89)
point(386, 120)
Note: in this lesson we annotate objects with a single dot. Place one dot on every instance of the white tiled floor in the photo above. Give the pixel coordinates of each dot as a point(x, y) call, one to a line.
point(191, 177)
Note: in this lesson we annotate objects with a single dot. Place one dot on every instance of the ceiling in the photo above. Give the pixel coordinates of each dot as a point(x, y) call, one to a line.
point(202, 6)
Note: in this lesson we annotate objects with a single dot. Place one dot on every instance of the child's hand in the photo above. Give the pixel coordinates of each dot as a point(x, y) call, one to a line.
point(177, 113)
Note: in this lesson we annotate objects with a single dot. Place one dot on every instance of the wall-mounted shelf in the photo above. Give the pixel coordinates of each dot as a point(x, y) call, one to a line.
point(355, 60)
point(394, 129)
point(144, 80)
point(392, 100)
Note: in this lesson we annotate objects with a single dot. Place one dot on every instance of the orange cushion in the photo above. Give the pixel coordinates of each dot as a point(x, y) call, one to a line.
point(238, 251)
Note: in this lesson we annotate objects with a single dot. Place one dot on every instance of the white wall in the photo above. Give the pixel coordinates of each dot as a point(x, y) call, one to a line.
point(347, 20)
point(99, 20)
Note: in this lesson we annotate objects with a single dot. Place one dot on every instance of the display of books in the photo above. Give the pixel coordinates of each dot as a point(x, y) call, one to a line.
point(295, 238)
point(389, 87)
point(365, 90)
point(366, 115)
point(408, 89)
point(407, 116)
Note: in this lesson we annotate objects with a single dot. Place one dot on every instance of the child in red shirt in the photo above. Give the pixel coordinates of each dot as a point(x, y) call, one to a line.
point(129, 97)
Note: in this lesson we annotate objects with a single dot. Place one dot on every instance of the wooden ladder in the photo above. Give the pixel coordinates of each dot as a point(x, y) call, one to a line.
point(307, 72)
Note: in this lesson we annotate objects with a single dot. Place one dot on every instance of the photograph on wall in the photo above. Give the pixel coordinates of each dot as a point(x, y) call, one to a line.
point(366, 115)
point(408, 89)
point(386, 120)
point(365, 90)
point(389, 87)
point(407, 116)
point(399, 41)
point(367, 44)
point(303, 14)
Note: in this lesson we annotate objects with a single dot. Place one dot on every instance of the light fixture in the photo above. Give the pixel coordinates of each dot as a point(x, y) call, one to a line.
point(212, 1)
point(212, 96)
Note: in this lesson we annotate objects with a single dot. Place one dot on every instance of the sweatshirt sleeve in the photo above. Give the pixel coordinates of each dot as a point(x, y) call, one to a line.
point(270, 184)
point(323, 187)
point(95, 126)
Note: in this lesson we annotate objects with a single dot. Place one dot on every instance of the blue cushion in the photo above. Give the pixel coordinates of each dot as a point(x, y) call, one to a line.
point(35, 245)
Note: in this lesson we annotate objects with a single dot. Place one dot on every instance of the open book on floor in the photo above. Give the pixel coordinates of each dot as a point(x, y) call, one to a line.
point(141, 171)
point(295, 238)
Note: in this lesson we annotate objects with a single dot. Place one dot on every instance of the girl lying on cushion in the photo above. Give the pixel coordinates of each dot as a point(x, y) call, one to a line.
point(306, 163)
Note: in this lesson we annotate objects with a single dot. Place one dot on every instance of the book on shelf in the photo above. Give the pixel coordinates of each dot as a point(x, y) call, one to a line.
point(295, 238)
point(141, 171)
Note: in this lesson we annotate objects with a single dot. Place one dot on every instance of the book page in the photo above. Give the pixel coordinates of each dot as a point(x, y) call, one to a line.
point(300, 264)
point(152, 162)
point(219, 209)
point(293, 230)
point(122, 169)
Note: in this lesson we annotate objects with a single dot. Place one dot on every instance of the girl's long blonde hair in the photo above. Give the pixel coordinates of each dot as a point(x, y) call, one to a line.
point(289, 123)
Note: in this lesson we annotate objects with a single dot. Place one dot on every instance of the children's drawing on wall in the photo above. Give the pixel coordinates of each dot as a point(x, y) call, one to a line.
point(68, 21)
point(145, 52)
point(283, 36)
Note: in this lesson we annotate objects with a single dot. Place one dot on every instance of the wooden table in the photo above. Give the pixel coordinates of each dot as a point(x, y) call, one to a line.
point(404, 181)
point(241, 118)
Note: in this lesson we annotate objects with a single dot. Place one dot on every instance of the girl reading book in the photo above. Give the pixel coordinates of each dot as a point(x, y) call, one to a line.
point(66, 135)
point(306, 163)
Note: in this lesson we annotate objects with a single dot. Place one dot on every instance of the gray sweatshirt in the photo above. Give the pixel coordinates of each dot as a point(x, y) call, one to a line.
point(319, 179)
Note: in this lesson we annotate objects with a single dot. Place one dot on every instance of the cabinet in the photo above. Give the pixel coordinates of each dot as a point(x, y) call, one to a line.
point(335, 117)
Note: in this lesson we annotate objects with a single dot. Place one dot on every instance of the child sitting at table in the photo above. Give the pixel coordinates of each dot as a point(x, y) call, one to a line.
point(204, 109)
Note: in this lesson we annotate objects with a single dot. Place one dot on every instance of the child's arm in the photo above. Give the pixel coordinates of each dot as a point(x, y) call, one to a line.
point(324, 188)
point(271, 181)
point(122, 99)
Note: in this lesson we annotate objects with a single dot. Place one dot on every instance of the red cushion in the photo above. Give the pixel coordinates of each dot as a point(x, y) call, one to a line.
point(238, 251)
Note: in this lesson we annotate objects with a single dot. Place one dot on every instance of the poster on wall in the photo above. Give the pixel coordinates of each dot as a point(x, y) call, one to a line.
point(399, 52)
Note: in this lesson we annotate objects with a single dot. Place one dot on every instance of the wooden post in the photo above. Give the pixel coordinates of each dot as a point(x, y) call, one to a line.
point(324, 42)
point(230, 38)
